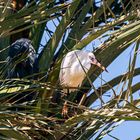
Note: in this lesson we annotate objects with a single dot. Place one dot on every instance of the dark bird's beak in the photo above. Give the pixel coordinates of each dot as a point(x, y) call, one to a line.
point(95, 62)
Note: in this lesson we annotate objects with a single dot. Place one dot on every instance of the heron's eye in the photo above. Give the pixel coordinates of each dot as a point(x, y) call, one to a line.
point(91, 58)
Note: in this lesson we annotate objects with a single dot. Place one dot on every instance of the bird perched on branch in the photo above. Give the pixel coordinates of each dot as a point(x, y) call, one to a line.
point(22, 63)
point(74, 68)
point(22, 59)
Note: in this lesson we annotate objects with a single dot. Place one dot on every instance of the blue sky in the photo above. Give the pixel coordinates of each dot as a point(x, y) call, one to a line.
point(129, 130)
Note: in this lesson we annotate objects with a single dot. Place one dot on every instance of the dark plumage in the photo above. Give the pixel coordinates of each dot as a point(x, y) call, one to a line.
point(22, 59)
point(22, 63)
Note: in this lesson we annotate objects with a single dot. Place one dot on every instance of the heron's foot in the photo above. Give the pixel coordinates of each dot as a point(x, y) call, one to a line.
point(65, 110)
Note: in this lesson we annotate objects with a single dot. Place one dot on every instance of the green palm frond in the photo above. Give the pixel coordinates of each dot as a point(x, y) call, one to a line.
point(76, 24)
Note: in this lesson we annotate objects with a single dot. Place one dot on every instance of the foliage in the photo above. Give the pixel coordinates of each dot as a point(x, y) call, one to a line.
point(75, 25)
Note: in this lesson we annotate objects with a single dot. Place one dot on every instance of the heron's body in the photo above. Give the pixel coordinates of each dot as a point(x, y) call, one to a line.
point(75, 66)
point(73, 69)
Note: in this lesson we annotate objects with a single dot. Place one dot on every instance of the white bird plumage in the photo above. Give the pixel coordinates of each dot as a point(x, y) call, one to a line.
point(74, 67)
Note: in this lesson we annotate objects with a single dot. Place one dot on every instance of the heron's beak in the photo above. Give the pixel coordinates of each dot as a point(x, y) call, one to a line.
point(95, 62)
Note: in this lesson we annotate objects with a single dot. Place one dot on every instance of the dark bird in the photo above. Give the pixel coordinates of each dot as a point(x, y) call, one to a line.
point(22, 62)
point(22, 59)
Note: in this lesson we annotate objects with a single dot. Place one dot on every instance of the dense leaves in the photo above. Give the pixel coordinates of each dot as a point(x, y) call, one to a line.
point(55, 28)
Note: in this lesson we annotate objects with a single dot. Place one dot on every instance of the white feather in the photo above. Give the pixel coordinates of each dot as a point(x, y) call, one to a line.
point(73, 68)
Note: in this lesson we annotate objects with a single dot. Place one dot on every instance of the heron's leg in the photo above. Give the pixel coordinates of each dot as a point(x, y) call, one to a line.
point(65, 108)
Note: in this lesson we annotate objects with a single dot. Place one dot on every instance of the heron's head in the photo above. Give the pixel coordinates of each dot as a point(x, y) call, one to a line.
point(94, 61)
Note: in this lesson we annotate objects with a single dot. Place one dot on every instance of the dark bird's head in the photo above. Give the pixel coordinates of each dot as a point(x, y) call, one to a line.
point(18, 49)
point(22, 59)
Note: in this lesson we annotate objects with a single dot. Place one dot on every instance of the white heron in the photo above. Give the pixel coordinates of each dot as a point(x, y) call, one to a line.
point(74, 67)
